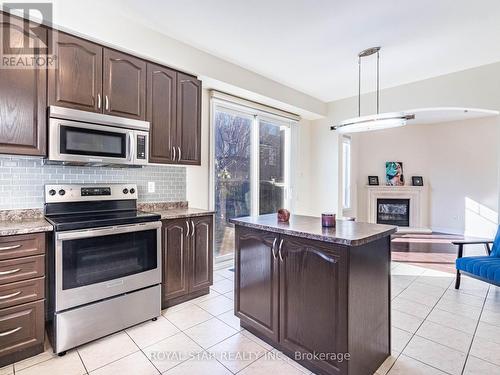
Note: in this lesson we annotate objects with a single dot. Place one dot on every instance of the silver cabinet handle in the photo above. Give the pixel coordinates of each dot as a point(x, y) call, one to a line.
point(279, 250)
point(180, 153)
point(10, 295)
point(187, 225)
point(7, 333)
point(192, 225)
point(9, 272)
point(107, 102)
point(99, 101)
point(274, 247)
point(10, 247)
point(173, 148)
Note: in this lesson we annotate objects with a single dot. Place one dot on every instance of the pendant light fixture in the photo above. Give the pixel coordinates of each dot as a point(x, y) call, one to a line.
point(373, 122)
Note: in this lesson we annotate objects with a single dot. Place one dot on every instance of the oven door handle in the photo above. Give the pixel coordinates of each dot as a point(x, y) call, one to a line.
point(107, 231)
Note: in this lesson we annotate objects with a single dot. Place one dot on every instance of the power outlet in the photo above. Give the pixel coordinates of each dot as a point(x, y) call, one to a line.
point(151, 187)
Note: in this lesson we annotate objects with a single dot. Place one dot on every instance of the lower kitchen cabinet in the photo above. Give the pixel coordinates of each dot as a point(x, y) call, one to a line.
point(187, 254)
point(22, 296)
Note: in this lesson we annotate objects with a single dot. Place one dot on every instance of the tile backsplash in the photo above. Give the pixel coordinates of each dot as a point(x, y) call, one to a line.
point(22, 180)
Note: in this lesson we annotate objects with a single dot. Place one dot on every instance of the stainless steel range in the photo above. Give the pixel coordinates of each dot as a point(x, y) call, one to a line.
point(104, 262)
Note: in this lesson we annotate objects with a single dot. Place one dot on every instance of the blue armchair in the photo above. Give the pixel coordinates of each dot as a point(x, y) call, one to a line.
point(485, 268)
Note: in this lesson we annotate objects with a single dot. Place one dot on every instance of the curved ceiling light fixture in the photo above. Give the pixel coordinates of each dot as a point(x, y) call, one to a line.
point(372, 122)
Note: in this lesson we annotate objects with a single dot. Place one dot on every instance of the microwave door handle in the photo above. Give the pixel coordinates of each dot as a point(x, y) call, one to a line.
point(130, 146)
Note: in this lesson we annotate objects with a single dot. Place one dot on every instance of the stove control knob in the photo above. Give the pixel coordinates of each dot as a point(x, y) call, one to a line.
point(62, 192)
point(52, 192)
point(125, 191)
point(132, 191)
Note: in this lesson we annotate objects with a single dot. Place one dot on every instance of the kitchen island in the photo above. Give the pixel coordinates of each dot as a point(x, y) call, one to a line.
point(320, 295)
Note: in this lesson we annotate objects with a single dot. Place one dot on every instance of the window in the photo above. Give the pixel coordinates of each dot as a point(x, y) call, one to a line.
point(250, 168)
point(346, 172)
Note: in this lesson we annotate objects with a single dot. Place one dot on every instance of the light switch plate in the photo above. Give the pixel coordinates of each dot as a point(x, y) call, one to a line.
point(151, 187)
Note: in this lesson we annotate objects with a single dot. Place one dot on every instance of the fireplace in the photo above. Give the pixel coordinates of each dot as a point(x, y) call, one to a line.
point(393, 211)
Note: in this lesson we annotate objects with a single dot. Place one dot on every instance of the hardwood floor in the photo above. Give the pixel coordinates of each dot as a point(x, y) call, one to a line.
point(434, 251)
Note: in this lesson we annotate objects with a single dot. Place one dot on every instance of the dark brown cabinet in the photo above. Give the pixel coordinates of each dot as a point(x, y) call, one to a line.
point(187, 259)
point(161, 112)
point(188, 119)
point(124, 85)
point(307, 296)
point(22, 107)
point(76, 82)
point(93, 78)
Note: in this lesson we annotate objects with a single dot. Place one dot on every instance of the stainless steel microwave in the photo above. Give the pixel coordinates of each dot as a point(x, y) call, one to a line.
point(87, 138)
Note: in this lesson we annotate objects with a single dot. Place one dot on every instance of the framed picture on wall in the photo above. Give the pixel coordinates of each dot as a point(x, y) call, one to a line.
point(417, 181)
point(394, 173)
point(373, 180)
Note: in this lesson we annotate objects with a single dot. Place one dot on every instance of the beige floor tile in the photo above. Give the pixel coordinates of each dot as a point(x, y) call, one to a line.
point(168, 353)
point(210, 332)
point(199, 366)
point(7, 370)
point(45, 356)
point(473, 287)
point(229, 295)
point(435, 355)
point(486, 350)
point(466, 299)
point(409, 366)
point(446, 336)
point(252, 337)
point(417, 295)
point(106, 350)
point(489, 332)
point(189, 317)
point(438, 281)
point(218, 277)
point(399, 338)
point(410, 307)
point(453, 306)
point(223, 286)
point(217, 305)
point(228, 274)
point(150, 332)
point(405, 321)
point(135, 363)
point(408, 270)
point(490, 317)
point(290, 361)
point(451, 320)
point(402, 281)
point(181, 306)
point(425, 288)
point(492, 305)
point(70, 364)
point(212, 294)
point(395, 291)
point(237, 352)
point(388, 363)
point(230, 319)
point(271, 364)
point(476, 366)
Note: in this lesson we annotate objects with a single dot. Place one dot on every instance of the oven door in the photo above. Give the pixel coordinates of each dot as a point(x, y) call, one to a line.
point(94, 264)
point(71, 141)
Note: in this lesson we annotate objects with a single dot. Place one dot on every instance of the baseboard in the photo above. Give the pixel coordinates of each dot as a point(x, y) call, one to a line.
point(448, 231)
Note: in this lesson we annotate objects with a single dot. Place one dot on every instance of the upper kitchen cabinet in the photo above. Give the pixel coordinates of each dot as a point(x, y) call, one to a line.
point(188, 119)
point(161, 113)
point(124, 85)
point(23, 103)
point(76, 82)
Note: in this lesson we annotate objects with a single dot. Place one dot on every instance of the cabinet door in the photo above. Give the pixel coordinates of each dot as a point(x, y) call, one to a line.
point(201, 253)
point(124, 85)
point(161, 113)
point(257, 281)
point(23, 103)
point(313, 300)
point(175, 259)
point(76, 82)
point(188, 119)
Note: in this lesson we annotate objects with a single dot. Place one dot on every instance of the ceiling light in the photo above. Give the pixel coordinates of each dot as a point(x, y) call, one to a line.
point(373, 122)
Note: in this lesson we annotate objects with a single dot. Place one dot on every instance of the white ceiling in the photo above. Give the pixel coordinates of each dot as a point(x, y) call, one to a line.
point(312, 45)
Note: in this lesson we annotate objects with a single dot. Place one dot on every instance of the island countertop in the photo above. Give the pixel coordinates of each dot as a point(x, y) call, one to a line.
point(350, 233)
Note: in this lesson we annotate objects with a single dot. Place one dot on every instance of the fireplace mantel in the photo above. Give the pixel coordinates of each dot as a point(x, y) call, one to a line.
point(419, 203)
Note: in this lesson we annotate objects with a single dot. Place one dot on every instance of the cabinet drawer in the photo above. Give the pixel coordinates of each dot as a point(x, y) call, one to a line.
point(13, 270)
point(22, 292)
point(21, 327)
point(23, 245)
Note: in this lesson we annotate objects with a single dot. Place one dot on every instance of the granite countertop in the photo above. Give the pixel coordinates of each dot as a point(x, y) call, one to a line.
point(14, 222)
point(348, 233)
point(180, 213)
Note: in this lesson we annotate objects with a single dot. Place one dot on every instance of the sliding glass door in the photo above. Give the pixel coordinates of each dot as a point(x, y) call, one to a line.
point(250, 170)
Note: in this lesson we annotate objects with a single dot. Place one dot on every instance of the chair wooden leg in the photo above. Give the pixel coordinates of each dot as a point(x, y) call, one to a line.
point(457, 281)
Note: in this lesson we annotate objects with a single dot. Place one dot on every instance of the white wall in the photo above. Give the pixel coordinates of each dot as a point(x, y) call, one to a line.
point(475, 88)
point(457, 160)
